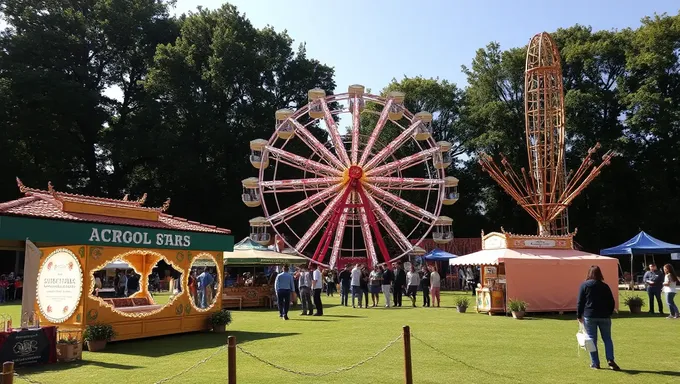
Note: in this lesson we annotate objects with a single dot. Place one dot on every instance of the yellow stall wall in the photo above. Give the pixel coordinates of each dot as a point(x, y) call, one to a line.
point(178, 316)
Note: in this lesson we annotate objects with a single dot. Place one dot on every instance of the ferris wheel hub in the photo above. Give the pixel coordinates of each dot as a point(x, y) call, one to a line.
point(355, 172)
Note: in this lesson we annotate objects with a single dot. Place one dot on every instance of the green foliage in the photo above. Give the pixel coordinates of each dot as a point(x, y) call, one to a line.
point(633, 301)
point(516, 305)
point(222, 317)
point(462, 301)
point(99, 332)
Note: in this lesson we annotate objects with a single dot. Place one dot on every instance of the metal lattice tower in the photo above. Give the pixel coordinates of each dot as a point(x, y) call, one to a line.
point(545, 190)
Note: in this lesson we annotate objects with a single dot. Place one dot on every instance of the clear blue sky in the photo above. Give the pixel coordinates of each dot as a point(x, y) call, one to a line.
point(370, 42)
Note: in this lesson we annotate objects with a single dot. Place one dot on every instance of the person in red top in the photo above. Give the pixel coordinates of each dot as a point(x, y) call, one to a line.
point(4, 284)
point(193, 286)
point(18, 287)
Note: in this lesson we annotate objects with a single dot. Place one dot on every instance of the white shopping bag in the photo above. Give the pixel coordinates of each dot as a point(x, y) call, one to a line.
point(584, 341)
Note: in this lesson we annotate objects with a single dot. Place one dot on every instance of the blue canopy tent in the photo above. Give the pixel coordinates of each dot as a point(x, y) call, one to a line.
point(438, 255)
point(640, 244)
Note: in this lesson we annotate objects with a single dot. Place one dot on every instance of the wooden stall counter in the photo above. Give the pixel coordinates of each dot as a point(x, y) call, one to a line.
point(248, 297)
point(489, 301)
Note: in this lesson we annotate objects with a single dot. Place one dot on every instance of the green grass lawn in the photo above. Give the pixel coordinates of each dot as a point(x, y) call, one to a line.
point(485, 349)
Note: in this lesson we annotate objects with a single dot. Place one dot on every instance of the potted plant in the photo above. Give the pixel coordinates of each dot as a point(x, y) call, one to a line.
point(219, 320)
point(97, 335)
point(66, 348)
point(634, 303)
point(462, 303)
point(517, 308)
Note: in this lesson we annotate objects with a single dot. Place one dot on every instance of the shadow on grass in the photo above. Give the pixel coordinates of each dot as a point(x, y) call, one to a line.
point(172, 344)
point(662, 373)
point(73, 365)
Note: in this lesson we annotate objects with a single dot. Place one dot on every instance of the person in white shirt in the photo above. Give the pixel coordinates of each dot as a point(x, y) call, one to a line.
point(356, 284)
point(670, 289)
point(435, 284)
point(413, 280)
point(317, 285)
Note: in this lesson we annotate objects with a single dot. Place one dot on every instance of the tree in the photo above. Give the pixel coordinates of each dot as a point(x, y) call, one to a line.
point(56, 60)
point(216, 88)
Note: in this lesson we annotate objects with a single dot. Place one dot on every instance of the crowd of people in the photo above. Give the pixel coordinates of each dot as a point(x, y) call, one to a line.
point(359, 281)
point(11, 287)
point(203, 285)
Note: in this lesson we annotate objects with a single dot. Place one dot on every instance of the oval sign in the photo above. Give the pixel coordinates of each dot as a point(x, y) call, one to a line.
point(60, 285)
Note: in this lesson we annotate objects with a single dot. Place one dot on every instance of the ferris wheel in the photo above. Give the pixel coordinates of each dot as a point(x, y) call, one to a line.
point(360, 194)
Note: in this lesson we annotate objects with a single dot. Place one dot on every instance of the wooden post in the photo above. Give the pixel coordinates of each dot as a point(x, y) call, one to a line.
point(408, 369)
point(231, 359)
point(7, 373)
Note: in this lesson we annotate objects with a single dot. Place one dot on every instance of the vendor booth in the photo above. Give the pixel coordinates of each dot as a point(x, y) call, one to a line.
point(256, 290)
point(544, 271)
point(103, 261)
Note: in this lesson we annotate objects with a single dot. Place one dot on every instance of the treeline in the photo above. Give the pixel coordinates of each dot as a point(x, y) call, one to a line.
point(117, 96)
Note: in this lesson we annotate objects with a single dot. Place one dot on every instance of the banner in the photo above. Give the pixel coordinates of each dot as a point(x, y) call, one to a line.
point(29, 346)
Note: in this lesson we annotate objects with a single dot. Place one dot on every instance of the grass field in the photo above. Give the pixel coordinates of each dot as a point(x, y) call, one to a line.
point(484, 349)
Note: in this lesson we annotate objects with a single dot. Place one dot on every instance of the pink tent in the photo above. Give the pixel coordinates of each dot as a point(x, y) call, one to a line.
point(547, 279)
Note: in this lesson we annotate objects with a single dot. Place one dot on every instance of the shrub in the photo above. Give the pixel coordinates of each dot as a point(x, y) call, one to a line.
point(633, 301)
point(516, 305)
point(462, 302)
point(97, 332)
point(222, 317)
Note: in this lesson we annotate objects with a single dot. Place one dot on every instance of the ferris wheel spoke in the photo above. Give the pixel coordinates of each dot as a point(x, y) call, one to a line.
point(391, 227)
point(339, 234)
point(298, 185)
point(404, 183)
point(335, 134)
point(404, 162)
point(303, 205)
point(401, 204)
point(368, 210)
point(392, 146)
point(356, 128)
point(368, 238)
point(376, 132)
point(320, 221)
point(312, 142)
point(307, 164)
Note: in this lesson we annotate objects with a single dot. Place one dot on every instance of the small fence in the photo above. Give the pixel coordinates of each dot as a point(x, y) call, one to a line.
point(8, 374)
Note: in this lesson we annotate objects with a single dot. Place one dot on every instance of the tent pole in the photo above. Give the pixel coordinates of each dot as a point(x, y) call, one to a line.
point(632, 277)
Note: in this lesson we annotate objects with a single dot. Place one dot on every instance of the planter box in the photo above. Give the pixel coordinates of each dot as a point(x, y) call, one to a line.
point(518, 315)
point(68, 352)
point(96, 345)
point(635, 308)
point(220, 328)
point(461, 309)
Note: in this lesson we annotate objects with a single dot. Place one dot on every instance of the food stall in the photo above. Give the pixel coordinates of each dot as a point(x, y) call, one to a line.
point(257, 290)
point(543, 271)
point(83, 239)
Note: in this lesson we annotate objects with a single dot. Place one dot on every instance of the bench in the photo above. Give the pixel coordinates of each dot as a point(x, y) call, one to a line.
point(226, 300)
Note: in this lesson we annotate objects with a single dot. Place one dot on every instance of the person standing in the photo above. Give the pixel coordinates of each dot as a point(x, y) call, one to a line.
point(205, 281)
point(375, 282)
point(413, 280)
point(317, 286)
point(595, 306)
point(364, 284)
point(670, 288)
point(654, 281)
point(284, 285)
point(305, 288)
point(399, 284)
point(356, 284)
point(345, 284)
point(435, 285)
point(425, 283)
point(387, 280)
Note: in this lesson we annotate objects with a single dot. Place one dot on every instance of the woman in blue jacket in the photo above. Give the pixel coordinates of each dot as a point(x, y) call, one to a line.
point(594, 309)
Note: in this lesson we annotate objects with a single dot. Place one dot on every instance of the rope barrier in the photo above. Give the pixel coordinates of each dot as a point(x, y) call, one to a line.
point(320, 374)
point(26, 379)
point(461, 362)
point(200, 362)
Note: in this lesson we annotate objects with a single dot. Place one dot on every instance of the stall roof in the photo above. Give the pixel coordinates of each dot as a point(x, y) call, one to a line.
point(642, 243)
point(496, 256)
point(248, 252)
point(50, 204)
point(438, 255)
